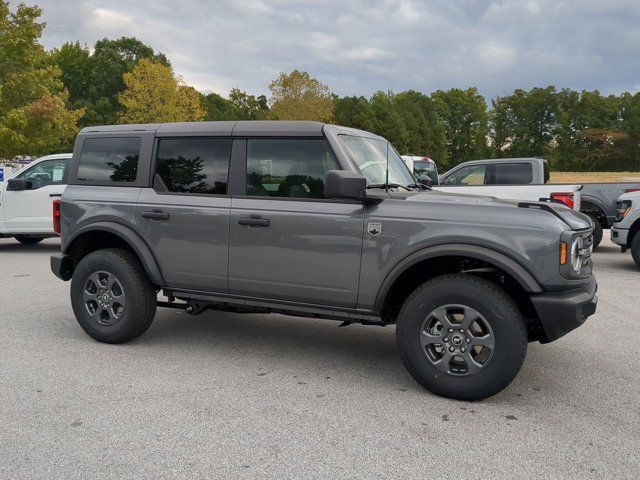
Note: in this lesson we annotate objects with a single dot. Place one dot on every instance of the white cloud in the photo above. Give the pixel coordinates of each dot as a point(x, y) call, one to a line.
point(365, 53)
point(252, 7)
point(360, 46)
point(498, 56)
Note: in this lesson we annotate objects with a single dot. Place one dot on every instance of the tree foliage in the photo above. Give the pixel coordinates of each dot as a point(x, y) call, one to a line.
point(239, 106)
point(34, 117)
point(298, 96)
point(94, 80)
point(154, 94)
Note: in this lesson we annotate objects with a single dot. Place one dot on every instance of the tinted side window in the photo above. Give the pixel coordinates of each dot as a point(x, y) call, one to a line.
point(288, 167)
point(513, 173)
point(193, 165)
point(109, 159)
point(49, 172)
point(471, 175)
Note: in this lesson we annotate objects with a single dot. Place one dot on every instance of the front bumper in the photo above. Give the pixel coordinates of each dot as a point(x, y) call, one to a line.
point(619, 236)
point(61, 266)
point(562, 312)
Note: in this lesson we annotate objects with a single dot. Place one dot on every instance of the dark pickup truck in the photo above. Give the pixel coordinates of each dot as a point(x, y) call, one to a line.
point(598, 199)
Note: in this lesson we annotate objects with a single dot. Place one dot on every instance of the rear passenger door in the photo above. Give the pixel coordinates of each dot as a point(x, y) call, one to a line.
point(287, 241)
point(185, 215)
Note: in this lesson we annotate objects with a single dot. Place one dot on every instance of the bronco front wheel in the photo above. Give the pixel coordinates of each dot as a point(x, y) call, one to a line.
point(461, 336)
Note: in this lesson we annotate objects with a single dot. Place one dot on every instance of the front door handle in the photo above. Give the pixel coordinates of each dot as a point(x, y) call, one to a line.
point(254, 221)
point(155, 215)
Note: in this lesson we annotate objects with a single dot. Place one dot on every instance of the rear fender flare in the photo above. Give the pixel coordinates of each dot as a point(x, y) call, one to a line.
point(135, 241)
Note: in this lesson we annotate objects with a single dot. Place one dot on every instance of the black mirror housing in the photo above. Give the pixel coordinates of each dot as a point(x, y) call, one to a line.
point(345, 184)
point(17, 184)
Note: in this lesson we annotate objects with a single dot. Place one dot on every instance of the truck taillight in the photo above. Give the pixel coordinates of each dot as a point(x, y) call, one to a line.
point(56, 216)
point(563, 197)
point(629, 190)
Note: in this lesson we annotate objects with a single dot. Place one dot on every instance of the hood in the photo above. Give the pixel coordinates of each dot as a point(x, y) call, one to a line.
point(573, 219)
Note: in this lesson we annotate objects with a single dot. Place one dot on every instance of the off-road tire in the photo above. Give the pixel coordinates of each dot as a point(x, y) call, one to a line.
point(140, 295)
point(499, 311)
point(597, 231)
point(27, 240)
point(635, 248)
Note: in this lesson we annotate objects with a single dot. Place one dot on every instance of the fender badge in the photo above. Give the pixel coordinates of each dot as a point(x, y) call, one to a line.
point(374, 228)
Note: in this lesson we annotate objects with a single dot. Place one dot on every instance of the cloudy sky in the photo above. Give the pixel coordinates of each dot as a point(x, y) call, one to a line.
point(359, 47)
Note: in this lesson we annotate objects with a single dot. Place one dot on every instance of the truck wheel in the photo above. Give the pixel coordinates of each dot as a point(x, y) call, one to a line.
point(112, 298)
point(461, 336)
point(635, 248)
point(27, 240)
point(597, 231)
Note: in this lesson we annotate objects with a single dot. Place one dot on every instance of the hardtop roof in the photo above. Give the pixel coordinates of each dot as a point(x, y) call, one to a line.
point(240, 128)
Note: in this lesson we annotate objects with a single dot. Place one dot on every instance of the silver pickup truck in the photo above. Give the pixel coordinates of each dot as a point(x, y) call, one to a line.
point(316, 220)
point(598, 200)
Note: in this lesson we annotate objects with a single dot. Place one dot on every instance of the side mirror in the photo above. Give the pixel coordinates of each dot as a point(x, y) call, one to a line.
point(425, 180)
point(16, 184)
point(344, 184)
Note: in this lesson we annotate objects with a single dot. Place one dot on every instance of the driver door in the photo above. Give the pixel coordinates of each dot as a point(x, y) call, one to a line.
point(29, 211)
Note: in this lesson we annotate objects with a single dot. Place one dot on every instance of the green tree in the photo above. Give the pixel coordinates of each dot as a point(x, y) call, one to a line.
point(525, 122)
point(425, 129)
point(465, 121)
point(354, 112)
point(33, 114)
point(95, 80)
point(239, 106)
point(154, 94)
point(297, 96)
point(388, 122)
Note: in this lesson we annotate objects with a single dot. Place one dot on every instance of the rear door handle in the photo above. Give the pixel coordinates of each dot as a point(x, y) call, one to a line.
point(55, 194)
point(155, 215)
point(254, 221)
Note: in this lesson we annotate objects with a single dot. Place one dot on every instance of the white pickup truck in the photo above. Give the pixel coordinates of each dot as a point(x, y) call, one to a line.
point(26, 199)
point(500, 178)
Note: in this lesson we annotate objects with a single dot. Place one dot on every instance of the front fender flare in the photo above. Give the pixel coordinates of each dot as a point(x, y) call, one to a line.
point(135, 241)
point(500, 260)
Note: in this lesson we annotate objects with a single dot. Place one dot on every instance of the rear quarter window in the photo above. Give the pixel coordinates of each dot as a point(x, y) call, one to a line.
point(513, 173)
point(109, 160)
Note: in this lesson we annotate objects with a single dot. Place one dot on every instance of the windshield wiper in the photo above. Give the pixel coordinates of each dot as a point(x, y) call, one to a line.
point(418, 186)
point(387, 185)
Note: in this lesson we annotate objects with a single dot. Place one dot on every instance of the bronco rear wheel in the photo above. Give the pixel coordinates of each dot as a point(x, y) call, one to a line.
point(461, 336)
point(112, 298)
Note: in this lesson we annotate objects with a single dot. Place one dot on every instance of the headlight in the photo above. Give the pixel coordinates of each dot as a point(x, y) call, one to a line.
point(622, 209)
point(577, 254)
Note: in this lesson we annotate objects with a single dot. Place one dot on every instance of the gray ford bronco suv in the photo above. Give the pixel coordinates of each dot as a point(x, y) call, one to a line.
point(322, 221)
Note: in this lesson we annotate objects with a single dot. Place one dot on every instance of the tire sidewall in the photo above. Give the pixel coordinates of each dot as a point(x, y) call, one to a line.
point(597, 232)
point(635, 248)
point(509, 334)
point(134, 309)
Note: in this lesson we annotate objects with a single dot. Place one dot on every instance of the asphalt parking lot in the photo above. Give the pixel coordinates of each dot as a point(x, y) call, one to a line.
point(266, 396)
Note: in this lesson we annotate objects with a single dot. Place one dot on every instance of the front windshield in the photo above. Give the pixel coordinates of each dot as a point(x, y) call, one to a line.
point(370, 155)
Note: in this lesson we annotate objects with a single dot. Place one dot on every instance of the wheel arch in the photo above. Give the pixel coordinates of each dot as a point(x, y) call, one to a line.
point(427, 263)
point(99, 235)
point(594, 207)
